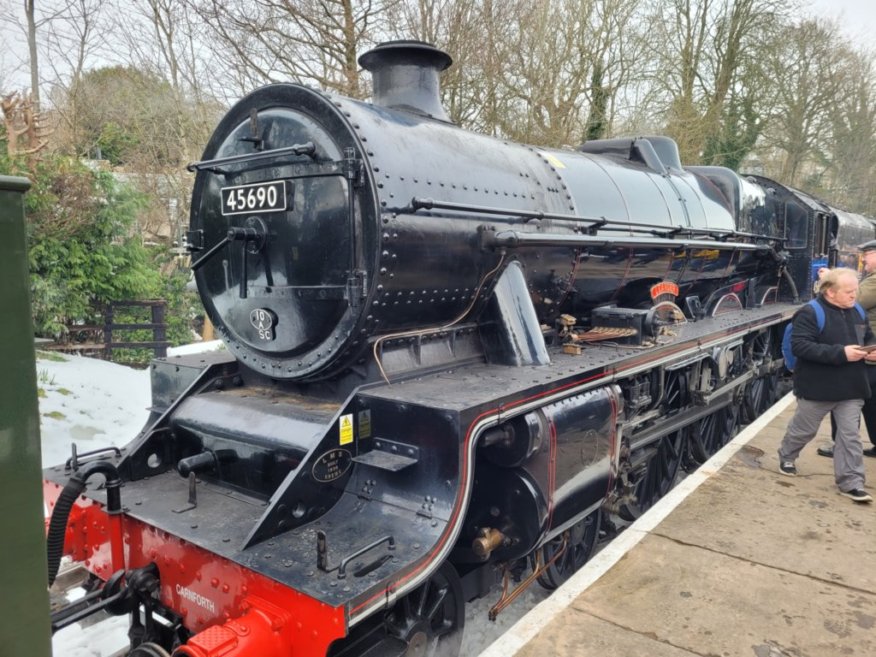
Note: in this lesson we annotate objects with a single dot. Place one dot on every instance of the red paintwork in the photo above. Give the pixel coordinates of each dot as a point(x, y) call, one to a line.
point(263, 631)
point(216, 598)
point(664, 287)
point(235, 582)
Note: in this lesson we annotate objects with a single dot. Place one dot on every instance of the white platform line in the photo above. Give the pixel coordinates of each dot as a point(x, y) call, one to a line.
point(527, 627)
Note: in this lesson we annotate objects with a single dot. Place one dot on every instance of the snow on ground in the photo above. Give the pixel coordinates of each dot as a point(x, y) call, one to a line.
point(99, 404)
point(91, 402)
point(95, 404)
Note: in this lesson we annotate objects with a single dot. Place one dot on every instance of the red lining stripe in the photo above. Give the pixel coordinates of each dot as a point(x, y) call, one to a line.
point(498, 410)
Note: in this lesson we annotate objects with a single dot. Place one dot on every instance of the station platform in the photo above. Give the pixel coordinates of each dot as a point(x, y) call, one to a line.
point(737, 560)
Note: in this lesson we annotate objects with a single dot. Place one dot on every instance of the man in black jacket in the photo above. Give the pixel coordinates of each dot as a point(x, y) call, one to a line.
point(830, 376)
point(867, 299)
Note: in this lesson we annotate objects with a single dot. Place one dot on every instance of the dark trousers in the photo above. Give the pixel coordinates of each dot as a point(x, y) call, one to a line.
point(868, 412)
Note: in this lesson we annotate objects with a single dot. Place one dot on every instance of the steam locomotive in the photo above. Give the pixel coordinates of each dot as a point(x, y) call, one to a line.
point(449, 357)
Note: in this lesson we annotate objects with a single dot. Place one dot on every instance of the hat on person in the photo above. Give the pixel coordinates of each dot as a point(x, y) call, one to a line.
point(867, 246)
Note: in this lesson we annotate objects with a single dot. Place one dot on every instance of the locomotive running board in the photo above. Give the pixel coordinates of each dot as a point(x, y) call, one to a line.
point(518, 239)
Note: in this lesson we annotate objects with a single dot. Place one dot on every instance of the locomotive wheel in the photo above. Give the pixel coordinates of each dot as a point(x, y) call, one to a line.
point(712, 432)
point(581, 540)
point(660, 475)
point(760, 394)
point(429, 621)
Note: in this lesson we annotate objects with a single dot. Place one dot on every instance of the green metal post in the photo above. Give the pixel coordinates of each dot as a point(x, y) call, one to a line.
point(24, 610)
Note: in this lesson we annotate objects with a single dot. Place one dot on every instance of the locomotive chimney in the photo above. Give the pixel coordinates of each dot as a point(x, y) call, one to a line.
point(405, 76)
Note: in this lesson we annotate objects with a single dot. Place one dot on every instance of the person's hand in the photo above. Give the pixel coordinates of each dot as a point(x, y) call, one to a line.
point(854, 353)
point(871, 356)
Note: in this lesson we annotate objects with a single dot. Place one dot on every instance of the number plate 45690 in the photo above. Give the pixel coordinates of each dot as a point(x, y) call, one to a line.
point(258, 197)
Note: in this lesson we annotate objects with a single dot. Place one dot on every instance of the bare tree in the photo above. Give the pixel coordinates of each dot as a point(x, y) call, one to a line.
point(33, 24)
point(32, 53)
point(481, 100)
point(526, 69)
point(852, 147)
point(614, 50)
point(566, 65)
point(74, 40)
point(549, 73)
point(310, 41)
point(809, 72)
point(152, 114)
point(175, 52)
point(75, 37)
point(704, 52)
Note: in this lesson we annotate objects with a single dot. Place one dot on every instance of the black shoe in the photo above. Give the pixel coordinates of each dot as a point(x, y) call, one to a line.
point(857, 495)
point(788, 468)
point(870, 451)
point(827, 450)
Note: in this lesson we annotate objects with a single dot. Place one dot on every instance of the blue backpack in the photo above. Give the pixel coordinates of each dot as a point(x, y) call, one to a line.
point(787, 354)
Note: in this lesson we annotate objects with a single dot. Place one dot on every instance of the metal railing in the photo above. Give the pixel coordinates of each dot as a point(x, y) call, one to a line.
point(105, 338)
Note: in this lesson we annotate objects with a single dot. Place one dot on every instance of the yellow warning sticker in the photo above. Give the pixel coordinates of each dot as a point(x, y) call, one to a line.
point(554, 160)
point(346, 429)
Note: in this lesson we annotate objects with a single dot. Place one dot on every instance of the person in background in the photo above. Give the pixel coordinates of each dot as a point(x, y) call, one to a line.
point(867, 299)
point(819, 275)
point(831, 376)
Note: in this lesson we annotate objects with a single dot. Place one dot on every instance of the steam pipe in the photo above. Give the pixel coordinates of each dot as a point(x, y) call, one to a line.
point(74, 488)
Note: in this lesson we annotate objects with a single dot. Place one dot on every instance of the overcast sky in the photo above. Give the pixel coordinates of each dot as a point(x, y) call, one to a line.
point(857, 17)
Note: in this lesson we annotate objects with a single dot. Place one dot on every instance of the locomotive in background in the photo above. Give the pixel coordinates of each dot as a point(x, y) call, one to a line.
point(447, 357)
